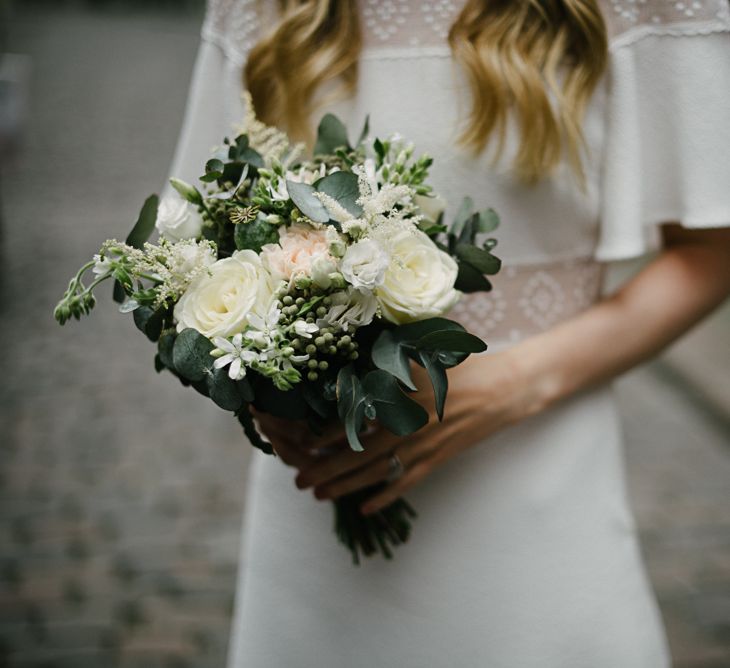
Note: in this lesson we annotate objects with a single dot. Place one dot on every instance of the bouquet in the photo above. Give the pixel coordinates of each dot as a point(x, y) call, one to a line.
point(305, 288)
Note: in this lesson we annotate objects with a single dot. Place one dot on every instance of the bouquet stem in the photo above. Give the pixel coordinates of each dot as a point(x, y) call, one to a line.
point(379, 532)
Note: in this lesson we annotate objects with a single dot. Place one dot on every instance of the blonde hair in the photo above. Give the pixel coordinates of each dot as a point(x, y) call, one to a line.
point(537, 61)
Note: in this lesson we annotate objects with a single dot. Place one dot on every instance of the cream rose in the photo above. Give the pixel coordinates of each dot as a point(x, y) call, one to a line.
point(419, 282)
point(219, 301)
point(177, 219)
point(364, 264)
point(299, 246)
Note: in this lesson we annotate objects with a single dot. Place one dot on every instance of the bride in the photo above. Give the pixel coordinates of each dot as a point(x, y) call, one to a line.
point(598, 130)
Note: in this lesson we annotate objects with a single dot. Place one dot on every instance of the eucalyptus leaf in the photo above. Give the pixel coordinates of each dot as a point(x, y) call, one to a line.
point(255, 234)
point(350, 404)
point(388, 354)
point(223, 390)
point(479, 258)
point(488, 221)
point(464, 211)
point(229, 194)
point(213, 170)
point(245, 389)
point(343, 188)
point(365, 131)
point(145, 222)
point(149, 321)
point(452, 341)
point(439, 381)
point(191, 355)
point(331, 135)
point(302, 194)
point(470, 279)
point(164, 349)
point(249, 428)
point(395, 410)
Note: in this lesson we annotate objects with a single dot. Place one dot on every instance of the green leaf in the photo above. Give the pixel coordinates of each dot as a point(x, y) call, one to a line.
point(249, 428)
point(213, 170)
point(365, 131)
point(415, 330)
point(463, 213)
point(470, 279)
point(303, 197)
point(439, 381)
point(479, 258)
point(488, 221)
point(350, 405)
point(343, 188)
point(223, 390)
point(149, 321)
point(395, 410)
point(331, 135)
point(451, 341)
point(245, 389)
point(145, 222)
point(316, 400)
point(288, 404)
point(255, 234)
point(164, 349)
point(118, 294)
point(388, 354)
point(191, 355)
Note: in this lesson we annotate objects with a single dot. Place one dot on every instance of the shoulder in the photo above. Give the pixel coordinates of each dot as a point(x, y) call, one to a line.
point(629, 21)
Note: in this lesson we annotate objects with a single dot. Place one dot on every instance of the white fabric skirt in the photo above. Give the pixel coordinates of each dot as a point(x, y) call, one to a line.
point(524, 555)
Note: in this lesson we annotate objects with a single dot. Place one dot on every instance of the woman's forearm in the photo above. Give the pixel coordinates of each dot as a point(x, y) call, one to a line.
point(686, 282)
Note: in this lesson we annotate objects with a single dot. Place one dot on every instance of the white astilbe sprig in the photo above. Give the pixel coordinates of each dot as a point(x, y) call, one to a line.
point(271, 143)
point(171, 266)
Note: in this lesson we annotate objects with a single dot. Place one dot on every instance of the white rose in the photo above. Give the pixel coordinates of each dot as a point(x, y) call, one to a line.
point(431, 207)
point(419, 282)
point(218, 302)
point(349, 310)
point(364, 264)
point(177, 219)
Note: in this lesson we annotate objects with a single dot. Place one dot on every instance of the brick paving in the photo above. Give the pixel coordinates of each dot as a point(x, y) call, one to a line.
point(120, 491)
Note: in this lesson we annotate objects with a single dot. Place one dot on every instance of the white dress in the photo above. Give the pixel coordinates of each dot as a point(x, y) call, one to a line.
point(525, 552)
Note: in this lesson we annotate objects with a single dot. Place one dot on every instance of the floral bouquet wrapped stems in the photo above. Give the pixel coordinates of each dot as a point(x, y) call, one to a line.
point(305, 288)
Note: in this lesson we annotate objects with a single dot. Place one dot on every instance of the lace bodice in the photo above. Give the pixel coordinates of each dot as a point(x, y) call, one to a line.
point(390, 25)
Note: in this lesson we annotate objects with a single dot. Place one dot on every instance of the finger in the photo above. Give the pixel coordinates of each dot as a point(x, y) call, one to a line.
point(396, 489)
point(328, 468)
point(375, 471)
point(292, 455)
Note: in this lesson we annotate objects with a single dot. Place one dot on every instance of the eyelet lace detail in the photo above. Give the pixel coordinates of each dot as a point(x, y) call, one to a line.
point(418, 28)
point(530, 299)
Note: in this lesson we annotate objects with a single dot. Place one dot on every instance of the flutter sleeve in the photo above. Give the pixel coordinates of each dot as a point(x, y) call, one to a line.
point(214, 104)
point(667, 150)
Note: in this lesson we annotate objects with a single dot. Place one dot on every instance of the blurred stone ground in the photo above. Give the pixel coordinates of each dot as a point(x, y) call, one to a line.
point(120, 491)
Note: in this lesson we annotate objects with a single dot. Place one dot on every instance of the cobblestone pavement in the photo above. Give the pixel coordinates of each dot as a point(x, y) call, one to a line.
point(120, 491)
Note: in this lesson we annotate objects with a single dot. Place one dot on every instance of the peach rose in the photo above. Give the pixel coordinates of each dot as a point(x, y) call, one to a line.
point(299, 246)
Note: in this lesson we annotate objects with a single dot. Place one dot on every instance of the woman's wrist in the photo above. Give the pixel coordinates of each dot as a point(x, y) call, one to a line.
point(537, 383)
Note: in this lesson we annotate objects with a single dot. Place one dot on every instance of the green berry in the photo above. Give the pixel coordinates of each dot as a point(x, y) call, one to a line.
point(312, 375)
point(319, 341)
point(312, 364)
point(324, 365)
point(288, 300)
point(332, 350)
point(311, 349)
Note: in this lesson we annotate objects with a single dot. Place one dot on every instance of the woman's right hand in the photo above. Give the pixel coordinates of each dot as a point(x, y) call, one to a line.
point(295, 443)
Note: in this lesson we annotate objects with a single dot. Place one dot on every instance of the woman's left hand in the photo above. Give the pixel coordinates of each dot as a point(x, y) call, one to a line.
point(485, 395)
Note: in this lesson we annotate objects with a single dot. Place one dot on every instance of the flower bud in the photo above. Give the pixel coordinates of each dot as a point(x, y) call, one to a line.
point(190, 193)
